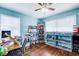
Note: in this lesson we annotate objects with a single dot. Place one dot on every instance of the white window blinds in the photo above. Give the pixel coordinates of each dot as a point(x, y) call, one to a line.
point(61, 25)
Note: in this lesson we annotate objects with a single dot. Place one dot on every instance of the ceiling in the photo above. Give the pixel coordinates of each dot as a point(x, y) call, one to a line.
point(28, 8)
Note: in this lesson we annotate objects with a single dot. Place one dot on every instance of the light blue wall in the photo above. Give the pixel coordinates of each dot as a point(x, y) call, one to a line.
point(9, 12)
point(28, 20)
point(24, 21)
point(40, 21)
point(77, 17)
point(64, 14)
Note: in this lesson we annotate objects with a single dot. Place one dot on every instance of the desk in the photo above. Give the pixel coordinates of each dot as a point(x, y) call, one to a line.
point(13, 47)
point(14, 50)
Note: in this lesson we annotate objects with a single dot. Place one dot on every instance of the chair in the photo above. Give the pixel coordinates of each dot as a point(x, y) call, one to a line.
point(20, 52)
point(34, 39)
point(19, 38)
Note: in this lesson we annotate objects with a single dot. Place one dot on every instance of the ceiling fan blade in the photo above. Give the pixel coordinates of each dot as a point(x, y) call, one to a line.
point(50, 3)
point(51, 9)
point(37, 9)
point(40, 4)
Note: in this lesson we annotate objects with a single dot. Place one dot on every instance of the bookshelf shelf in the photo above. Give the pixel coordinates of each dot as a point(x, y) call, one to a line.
point(60, 40)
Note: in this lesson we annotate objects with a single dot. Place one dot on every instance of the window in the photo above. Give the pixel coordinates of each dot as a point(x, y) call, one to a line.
point(10, 23)
point(51, 26)
point(61, 25)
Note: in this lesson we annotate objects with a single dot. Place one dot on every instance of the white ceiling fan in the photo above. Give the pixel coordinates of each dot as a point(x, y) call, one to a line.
point(45, 6)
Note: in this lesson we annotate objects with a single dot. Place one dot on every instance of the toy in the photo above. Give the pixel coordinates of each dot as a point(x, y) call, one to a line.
point(3, 51)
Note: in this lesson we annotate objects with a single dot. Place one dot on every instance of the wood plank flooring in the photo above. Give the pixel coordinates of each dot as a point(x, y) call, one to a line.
point(46, 50)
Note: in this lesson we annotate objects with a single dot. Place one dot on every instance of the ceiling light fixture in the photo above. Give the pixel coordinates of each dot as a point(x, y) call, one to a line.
point(44, 10)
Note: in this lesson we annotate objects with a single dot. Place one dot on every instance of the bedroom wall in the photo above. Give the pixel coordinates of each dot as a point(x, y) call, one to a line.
point(25, 20)
point(64, 14)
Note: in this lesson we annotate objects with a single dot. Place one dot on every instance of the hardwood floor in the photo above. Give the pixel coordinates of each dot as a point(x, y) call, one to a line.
point(46, 50)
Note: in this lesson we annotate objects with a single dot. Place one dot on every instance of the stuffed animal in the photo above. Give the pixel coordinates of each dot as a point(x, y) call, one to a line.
point(3, 51)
